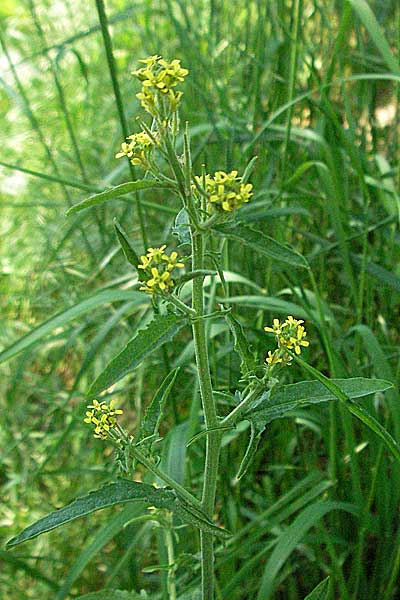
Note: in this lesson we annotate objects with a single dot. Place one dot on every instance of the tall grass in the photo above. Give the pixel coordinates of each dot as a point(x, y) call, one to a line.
point(311, 88)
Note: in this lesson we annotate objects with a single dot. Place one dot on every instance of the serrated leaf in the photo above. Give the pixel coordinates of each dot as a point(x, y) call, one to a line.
point(261, 243)
point(60, 319)
point(354, 408)
point(193, 516)
point(241, 345)
point(275, 404)
point(110, 494)
point(127, 249)
point(154, 412)
point(115, 192)
point(162, 329)
point(320, 592)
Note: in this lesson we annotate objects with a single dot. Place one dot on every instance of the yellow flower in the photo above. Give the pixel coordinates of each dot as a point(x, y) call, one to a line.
point(159, 76)
point(273, 358)
point(226, 191)
point(173, 261)
point(276, 329)
point(103, 416)
point(290, 335)
point(157, 254)
point(157, 267)
point(138, 149)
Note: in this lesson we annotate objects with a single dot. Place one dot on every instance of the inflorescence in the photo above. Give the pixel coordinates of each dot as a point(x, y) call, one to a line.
point(290, 335)
point(158, 78)
point(226, 191)
point(103, 416)
point(157, 269)
point(139, 149)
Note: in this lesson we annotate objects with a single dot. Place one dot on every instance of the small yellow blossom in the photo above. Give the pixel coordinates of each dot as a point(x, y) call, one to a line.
point(226, 191)
point(273, 358)
point(103, 416)
point(276, 329)
point(157, 267)
point(290, 335)
point(159, 76)
point(138, 149)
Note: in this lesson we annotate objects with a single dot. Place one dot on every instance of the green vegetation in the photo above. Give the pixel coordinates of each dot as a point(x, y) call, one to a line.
point(218, 304)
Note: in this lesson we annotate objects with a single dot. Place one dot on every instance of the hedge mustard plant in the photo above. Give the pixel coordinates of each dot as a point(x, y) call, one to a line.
point(209, 202)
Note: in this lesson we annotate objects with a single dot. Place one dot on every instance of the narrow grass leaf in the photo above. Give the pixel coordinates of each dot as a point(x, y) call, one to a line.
point(321, 592)
point(159, 331)
point(367, 17)
point(291, 537)
point(64, 317)
point(103, 535)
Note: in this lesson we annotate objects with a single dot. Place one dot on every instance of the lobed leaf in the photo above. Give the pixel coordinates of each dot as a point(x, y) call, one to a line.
point(110, 494)
point(281, 400)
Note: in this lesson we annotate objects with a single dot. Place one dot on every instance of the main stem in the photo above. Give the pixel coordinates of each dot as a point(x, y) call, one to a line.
point(210, 416)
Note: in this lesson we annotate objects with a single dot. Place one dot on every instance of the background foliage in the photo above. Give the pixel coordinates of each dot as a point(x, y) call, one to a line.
point(310, 87)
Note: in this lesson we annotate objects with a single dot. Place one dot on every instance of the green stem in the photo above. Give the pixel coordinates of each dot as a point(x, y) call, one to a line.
point(180, 490)
point(213, 441)
point(169, 542)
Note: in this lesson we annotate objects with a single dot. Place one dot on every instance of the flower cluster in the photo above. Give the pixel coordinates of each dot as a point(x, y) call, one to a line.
point(157, 269)
point(139, 149)
point(159, 76)
point(226, 191)
point(290, 335)
point(103, 416)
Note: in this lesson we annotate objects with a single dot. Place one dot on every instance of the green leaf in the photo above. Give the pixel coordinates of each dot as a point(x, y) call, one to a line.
point(241, 345)
point(261, 243)
point(127, 249)
point(291, 537)
point(370, 23)
point(114, 524)
point(110, 494)
point(320, 592)
point(354, 408)
point(275, 404)
point(193, 275)
point(115, 192)
point(162, 329)
point(61, 318)
point(193, 516)
point(154, 412)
